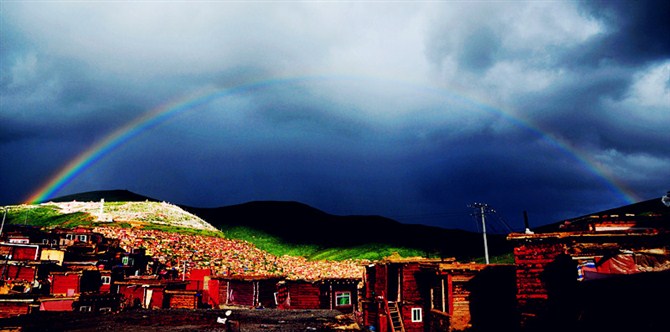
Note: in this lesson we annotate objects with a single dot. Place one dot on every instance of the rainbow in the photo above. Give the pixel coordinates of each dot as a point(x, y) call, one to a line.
point(167, 111)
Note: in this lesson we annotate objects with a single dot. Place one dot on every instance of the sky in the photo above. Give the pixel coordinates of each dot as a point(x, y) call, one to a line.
point(414, 111)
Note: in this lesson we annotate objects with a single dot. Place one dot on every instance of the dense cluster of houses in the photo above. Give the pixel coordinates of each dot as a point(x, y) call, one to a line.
point(569, 278)
point(224, 256)
point(84, 269)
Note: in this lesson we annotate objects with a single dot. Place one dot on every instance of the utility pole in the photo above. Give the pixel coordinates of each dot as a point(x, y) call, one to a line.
point(483, 208)
point(3, 219)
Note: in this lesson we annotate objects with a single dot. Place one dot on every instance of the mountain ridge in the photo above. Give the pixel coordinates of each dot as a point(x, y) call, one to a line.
point(300, 224)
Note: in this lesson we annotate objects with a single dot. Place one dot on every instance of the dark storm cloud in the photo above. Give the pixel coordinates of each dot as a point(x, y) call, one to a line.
point(407, 110)
point(636, 32)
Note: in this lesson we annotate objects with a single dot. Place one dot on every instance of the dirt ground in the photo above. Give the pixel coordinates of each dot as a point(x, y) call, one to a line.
point(172, 320)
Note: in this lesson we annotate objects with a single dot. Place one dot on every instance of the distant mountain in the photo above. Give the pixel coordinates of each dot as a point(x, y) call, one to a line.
point(302, 224)
point(298, 223)
point(107, 195)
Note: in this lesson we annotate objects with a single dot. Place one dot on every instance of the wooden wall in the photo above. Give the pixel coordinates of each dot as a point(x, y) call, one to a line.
point(12, 309)
point(18, 272)
point(182, 299)
point(62, 283)
point(531, 260)
point(297, 294)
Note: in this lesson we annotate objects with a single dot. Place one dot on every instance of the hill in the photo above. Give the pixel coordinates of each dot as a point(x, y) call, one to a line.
point(299, 229)
point(298, 223)
point(109, 196)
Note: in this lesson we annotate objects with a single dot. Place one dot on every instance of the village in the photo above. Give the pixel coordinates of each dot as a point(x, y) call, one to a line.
point(605, 271)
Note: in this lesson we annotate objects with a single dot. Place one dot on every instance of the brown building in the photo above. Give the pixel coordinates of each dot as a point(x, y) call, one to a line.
point(183, 299)
point(465, 296)
point(243, 290)
point(605, 271)
point(148, 293)
point(329, 293)
point(396, 294)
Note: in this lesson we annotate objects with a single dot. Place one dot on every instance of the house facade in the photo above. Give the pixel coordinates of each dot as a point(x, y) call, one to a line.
point(329, 293)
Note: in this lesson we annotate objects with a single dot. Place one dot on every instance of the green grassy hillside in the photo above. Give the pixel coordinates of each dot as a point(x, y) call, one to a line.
point(280, 228)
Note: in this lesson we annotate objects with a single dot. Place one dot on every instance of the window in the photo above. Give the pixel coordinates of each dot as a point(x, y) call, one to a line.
point(82, 238)
point(106, 280)
point(416, 315)
point(125, 260)
point(85, 308)
point(342, 298)
point(69, 236)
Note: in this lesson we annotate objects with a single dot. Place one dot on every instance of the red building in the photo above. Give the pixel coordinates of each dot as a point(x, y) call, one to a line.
point(12, 305)
point(183, 299)
point(148, 293)
point(330, 293)
point(19, 251)
point(395, 296)
point(65, 283)
point(243, 290)
point(61, 303)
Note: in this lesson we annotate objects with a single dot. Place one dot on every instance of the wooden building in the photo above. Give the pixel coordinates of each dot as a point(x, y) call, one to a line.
point(396, 294)
point(60, 303)
point(92, 302)
point(148, 293)
point(65, 283)
point(19, 251)
point(329, 293)
point(12, 305)
point(18, 271)
point(466, 296)
point(183, 299)
point(243, 290)
point(585, 269)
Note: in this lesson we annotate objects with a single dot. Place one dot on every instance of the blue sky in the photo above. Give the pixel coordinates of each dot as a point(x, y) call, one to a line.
point(410, 110)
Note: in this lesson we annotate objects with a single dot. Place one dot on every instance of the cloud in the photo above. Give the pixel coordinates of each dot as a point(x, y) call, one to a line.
point(400, 109)
point(635, 33)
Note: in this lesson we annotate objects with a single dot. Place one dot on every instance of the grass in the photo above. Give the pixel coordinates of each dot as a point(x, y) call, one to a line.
point(50, 216)
point(46, 216)
point(277, 247)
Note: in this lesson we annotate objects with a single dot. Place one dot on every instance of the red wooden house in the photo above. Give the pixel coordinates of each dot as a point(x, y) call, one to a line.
point(59, 303)
point(331, 293)
point(183, 299)
point(65, 283)
point(19, 252)
point(18, 271)
point(197, 278)
point(243, 290)
point(395, 295)
point(148, 293)
point(12, 305)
